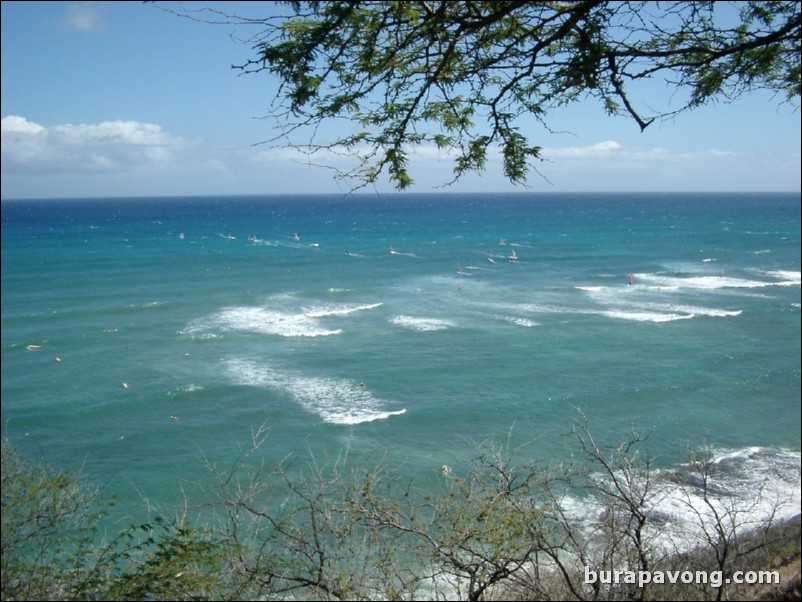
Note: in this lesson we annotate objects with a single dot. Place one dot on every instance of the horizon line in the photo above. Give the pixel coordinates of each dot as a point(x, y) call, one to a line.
point(395, 193)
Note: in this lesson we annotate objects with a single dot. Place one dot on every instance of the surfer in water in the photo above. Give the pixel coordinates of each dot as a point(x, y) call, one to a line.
point(631, 280)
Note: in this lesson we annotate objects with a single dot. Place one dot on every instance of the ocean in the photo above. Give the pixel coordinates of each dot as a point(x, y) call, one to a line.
point(144, 337)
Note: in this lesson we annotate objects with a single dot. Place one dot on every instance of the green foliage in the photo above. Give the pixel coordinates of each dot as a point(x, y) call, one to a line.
point(48, 520)
point(465, 76)
point(172, 562)
point(494, 529)
point(479, 530)
point(51, 549)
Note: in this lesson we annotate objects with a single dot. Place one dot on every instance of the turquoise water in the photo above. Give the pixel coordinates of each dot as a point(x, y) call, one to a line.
point(139, 335)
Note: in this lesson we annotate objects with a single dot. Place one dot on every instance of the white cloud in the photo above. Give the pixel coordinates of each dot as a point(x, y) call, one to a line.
point(600, 149)
point(130, 158)
point(85, 16)
point(16, 124)
point(612, 149)
point(215, 165)
point(615, 166)
point(106, 147)
point(611, 155)
point(605, 165)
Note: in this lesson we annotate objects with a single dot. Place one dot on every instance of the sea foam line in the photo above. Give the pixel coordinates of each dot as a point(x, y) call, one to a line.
point(334, 400)
point(750, 486)
point(263, 320)
point(339, 311)
point(421, 324)
point(624, 306)
point(707, 282)
point(785, 277)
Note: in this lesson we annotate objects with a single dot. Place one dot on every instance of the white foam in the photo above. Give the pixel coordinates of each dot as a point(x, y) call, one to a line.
point(619, 308)
point(740, 454)
point(190, 388)
point(644, 316)
point(625, 305)
point(421, 324)
point(267, 243)
point(146, 305)
point(264, 320)
point(335, 400)
point(591, 289)
point(749, 486)
point(526, 323)
point(338, 401)
point(322, 312)
point(693, 310)
point(249, 373)
point(785, 277)
point(539, 309)
point(206, 336)
point(394, 252)
point(703, 282)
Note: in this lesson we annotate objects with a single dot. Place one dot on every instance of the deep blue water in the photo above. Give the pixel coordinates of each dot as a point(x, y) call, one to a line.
point(140, 334)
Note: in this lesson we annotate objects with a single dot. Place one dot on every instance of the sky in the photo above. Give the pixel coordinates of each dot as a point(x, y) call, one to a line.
point(118, 99)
